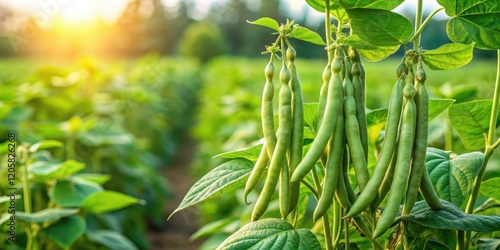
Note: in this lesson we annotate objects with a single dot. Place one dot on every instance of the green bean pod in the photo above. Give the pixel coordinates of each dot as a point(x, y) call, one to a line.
point(391, 133)
point(356, 58)
point(279, 155)
point(334, 98)
point(267, 117)
point(421, 135)
point(360, 106)
point(402, 167)
point(297, 137)
point(333, 167)
point(385, 186)
point(257, 171)
point(327, 74)
point(355, 146)
point(267, 113)
point(428, 192)
point(284, 191)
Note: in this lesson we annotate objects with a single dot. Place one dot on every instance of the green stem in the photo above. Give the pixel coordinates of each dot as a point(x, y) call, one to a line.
point(328, 31)
point(422, 26)
point(418, 24)
point(346, 233)
point(490, 147)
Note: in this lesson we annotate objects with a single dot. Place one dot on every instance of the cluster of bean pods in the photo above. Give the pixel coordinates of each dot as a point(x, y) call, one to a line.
point(341, 142)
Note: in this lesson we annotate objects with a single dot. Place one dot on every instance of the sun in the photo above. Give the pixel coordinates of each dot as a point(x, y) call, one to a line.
point(84, 12)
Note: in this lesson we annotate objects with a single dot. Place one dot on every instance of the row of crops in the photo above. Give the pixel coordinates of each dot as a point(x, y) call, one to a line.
point(92, 137)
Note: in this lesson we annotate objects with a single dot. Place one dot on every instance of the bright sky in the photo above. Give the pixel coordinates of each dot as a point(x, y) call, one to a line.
point(79, 11)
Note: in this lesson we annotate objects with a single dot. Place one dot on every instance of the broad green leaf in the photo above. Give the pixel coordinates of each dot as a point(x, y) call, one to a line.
point(66, 231)
point(448, 56)
point(319, 5)
point(44, 170)
point(266, 22)
point(431, 244)
point(380, 53)
point(473, 21)
point(373, 4)
point(72, 192)
point(380, 27)
point(46, 215)
point(451, 218)
point(100, 179)
point(111, 239)
point(271, 234)
point(250, 153)
point(471, 121)
point(107, 201)
point(369, 51)
point(222, 179)
point(45, 145)
point(307, 35)
point(453, 178)
point(488, 244)
point(491, 188)
point(438, 106)
point(310, 115)
point(375, 121)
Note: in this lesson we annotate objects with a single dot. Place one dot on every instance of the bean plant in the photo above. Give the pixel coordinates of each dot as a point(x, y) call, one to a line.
point(371, 186)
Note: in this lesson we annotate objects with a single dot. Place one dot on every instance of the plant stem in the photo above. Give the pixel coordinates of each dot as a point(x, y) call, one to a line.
point(422, 26)
point(418, 24)
point(328, 31)
point(346, 233)
point(490, 147)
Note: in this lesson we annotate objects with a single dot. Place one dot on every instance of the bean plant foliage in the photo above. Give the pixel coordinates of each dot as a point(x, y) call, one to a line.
point(370, 176)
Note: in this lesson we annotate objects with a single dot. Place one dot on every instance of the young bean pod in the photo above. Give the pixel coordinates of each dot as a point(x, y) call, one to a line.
point(325, 131)
point(267, 117)
point(279, 155)
point(297, 137)
point(333, 167)
point(360, 106)
point(421, 134)
point(402, 167)
point(386, 153)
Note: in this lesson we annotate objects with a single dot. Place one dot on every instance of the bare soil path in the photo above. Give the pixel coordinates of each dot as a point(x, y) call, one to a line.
point(176, 232)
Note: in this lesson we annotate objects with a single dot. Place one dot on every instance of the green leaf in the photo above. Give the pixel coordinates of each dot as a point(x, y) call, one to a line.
point(473, 21)
point(220, 180)
point(44, 170)
point(369, 51)
point(430, 244)
point(448, 56)
point(453, 178)
point(471, 121)
point(111, 239)
point(45, 145)
point(46, 215)
point(266, 22)
point(319, 5)
point(72, 192)
point(66, 231)
point(375, 121)
point(251, 153)
point(490, 188)
point(311, 115)
point(100, 179)
point(107, 201)
point(451, 218)
point(373, 4)
point(307, 35)
point(438, 106)
point(212, 228)
point(488, 244)
point(271, 234)
point(380, 27)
